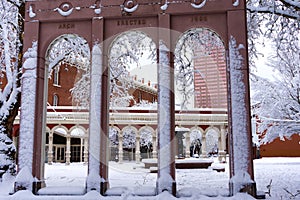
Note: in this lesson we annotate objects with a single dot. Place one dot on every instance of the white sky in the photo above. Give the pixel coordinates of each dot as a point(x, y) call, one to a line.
point(262, 67)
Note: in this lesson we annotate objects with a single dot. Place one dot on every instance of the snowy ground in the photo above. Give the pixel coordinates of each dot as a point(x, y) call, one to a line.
point(200, 183)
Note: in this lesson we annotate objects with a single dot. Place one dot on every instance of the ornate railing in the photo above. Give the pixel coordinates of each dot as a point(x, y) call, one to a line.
point(70, 115)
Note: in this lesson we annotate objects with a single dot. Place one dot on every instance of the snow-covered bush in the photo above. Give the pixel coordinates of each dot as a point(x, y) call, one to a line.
point(7, 154)
point(129, 138)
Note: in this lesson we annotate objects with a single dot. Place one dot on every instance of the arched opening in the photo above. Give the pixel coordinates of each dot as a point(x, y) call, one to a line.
point(201, 90)
point(114, 143)
point(200, 70)
point(67, 88)
point(146, 142)
point(69, 56)
point(129, 143)
point(133, 86)
point(212, 142)
point(196, 143)
point(133, 70)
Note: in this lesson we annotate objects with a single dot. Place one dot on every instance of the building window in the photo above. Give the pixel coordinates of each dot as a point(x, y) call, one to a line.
point(56, 76)
point(140, 97)
point(55, 100)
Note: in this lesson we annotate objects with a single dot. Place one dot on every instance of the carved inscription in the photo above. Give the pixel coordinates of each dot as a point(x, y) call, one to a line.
point(66, 26)
point(199, 18)
point(131, 22)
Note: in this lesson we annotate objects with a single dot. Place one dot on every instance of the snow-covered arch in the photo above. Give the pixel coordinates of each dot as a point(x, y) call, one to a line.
point(196, 133)
point(78, 131)
point(60, 130)
point(228, 19)
point(212, 136)
point(70, 50)
point(212, 128)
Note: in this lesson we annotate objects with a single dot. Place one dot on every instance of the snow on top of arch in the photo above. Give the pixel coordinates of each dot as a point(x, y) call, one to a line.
point(61, 131)
point(77, 132)
point(69, 49)
point(177, 128)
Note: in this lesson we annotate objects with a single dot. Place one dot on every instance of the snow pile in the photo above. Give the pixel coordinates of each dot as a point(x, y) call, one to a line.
point(24, 179)
point(165, 182)
point(239, 180)
point(93, 180)
point(7, 151)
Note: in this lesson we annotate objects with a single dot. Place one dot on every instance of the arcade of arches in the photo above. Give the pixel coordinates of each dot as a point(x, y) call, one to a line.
point(135, 134)
point(130, 143)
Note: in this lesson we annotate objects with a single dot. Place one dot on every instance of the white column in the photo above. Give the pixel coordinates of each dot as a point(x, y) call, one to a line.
point(187, 145)
point(68, 150)
point(203, 147)
point(50, 148)
point(85, 150)
point(137, 149)
point(222, 146)
point(81, 152)
point(120, 148)
point(154, 146)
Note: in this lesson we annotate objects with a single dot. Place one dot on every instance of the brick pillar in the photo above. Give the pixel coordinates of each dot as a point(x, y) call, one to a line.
point(166, 114)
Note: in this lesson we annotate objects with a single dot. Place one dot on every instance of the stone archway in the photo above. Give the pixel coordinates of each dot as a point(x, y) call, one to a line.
point(196, 135)
point(98, 24)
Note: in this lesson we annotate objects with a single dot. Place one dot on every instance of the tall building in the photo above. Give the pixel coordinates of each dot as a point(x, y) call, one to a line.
point(210, 78)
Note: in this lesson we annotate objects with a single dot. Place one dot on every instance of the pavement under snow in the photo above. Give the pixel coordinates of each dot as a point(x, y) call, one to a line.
point(132, 179)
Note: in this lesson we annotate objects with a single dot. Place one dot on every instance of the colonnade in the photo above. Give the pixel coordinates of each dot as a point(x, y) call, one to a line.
point(220, 131)
point(67, 133)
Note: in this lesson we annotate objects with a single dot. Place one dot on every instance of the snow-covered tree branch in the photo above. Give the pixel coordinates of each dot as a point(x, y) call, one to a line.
point(125, 54)
point(277, 21)
point(278, 109)
point(285, 8)
point(11, 30)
